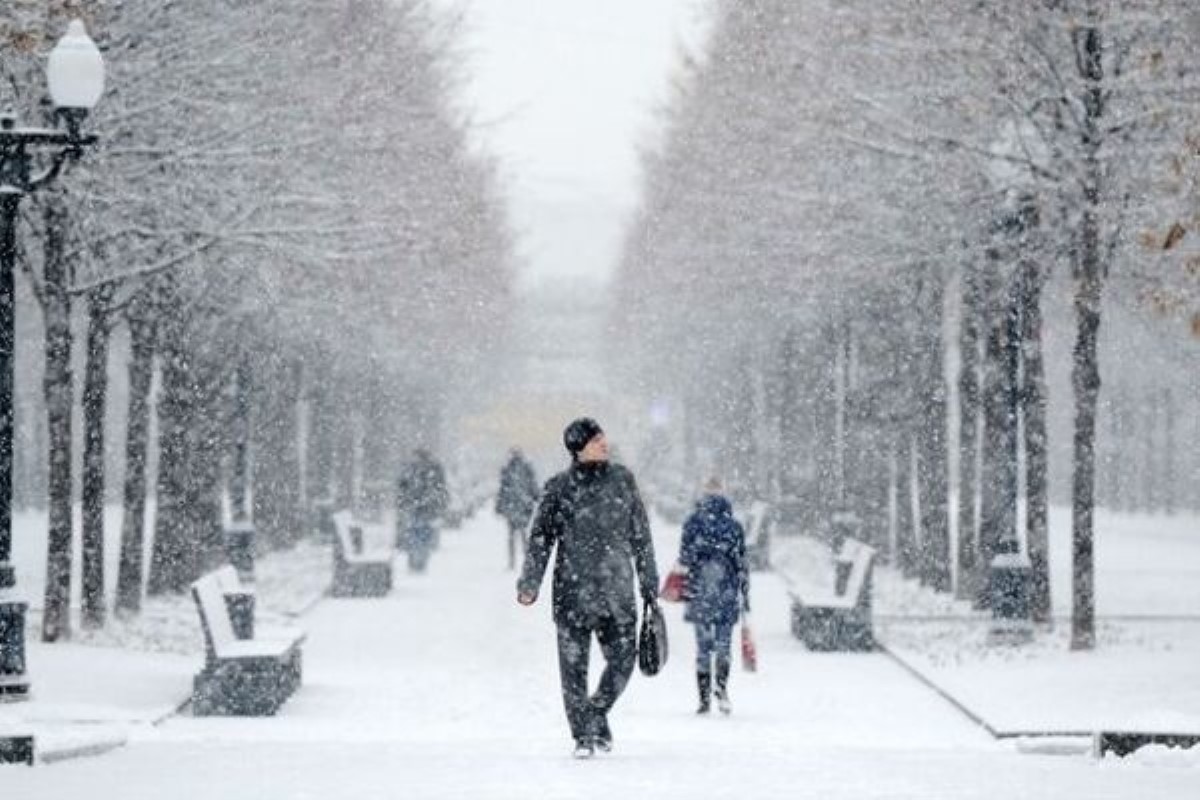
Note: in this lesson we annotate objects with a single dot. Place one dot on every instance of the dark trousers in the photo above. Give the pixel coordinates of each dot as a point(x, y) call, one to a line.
point(516, 535)
point(618, 642)
point(713, 640)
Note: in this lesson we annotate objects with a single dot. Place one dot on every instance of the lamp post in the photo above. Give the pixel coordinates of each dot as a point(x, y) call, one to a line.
point(75, 74)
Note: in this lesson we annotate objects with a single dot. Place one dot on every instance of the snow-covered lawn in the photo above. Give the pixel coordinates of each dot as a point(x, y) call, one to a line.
point(448, 689)
point(104, 685)
point(1141, 675)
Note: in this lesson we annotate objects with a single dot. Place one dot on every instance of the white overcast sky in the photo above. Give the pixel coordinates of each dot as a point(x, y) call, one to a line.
point(564, 91)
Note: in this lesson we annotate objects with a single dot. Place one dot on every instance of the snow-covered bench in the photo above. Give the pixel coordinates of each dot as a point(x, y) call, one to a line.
point(1122, 743)
point(362, 558)
point(241, 676)
point(840, 620)
point(16, 747)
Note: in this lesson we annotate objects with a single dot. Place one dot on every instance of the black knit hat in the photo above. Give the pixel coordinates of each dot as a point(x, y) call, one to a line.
point(579, 433)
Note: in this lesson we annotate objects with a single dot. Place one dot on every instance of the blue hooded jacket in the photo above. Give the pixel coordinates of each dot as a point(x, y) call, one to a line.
point(713, 552)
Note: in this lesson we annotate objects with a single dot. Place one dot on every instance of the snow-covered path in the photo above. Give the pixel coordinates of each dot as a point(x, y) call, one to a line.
point(449, 689)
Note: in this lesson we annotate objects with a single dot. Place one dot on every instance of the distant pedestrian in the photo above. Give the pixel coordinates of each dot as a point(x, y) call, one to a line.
point(422, 498)
point(593, 515)
point(516, 499)
point(713, 553)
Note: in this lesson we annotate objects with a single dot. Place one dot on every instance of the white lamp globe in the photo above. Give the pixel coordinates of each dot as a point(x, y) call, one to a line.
point(75, 70)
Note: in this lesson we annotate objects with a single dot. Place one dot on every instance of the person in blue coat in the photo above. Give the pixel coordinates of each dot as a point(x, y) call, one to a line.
point(713, 553)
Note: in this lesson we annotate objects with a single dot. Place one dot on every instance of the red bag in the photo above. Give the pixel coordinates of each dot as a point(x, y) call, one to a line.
point(749, 653)
point(674, 587)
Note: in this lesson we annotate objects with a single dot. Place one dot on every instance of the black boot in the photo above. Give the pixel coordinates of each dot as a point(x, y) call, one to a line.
point(704, 683)
point(723, 686)
point(603, 739)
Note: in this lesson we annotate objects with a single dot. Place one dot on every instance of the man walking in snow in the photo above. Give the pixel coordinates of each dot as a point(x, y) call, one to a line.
point(594, 515)
point(516, 499)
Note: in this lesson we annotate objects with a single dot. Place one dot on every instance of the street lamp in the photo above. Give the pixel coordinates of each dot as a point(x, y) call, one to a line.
point(75, 74)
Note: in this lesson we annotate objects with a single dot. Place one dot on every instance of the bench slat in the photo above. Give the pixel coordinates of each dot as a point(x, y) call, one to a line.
point(210, 602)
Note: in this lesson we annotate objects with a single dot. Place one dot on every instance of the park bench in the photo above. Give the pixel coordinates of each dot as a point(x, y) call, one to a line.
point(16, 747)
point(362, 558)
point(241, 676)
point(840, 620)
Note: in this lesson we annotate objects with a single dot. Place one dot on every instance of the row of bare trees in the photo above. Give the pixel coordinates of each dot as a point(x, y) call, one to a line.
point(850, 238)
point(296, 249)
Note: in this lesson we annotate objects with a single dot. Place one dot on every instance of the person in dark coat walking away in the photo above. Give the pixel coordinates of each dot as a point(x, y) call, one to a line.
point(713, 553)
point(593, 517)
point(516, 499)
point(421, 498)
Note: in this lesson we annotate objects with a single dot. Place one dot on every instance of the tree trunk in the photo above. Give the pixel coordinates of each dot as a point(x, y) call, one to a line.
point(1085, 373)
point(188, 537)
point(321, 431)
point(906, 534)
point(1086, 381)
point(342, 428)
point(933, 464)
point(844, 425)
point(1033, 409)
point(171, 560)
point(793, 447)
point(59, 391)
point(998, 473)
point(137, 431)
point(826, 414)
point(9, 205)
point(276, 493)
point(969, 577)
point(94, 400)
point(239, 483)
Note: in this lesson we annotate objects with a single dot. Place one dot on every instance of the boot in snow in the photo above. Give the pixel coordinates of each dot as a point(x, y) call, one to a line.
point(584, 748)
point(704, 684)
point(603, 741)
point(722, 691)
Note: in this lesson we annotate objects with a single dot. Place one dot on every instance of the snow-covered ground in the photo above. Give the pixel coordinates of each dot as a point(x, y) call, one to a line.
point(447, 688)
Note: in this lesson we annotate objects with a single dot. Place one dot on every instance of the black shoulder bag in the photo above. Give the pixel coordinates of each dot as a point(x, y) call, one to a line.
point(652, 640)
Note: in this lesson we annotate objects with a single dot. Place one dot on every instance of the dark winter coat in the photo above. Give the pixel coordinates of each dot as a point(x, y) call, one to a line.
point(518, 494)
point(713, 552)
point(594, 515)
point(421, 490)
